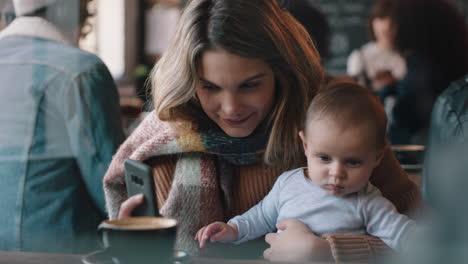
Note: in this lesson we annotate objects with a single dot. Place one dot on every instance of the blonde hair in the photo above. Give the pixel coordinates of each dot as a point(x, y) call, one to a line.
point(350, 104)
point(258, 29)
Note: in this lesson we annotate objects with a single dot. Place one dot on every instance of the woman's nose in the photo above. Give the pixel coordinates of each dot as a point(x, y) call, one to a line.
point(230, 104)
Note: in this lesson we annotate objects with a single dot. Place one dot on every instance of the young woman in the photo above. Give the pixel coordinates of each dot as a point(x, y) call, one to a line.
point(377, 59)
point(230, 97)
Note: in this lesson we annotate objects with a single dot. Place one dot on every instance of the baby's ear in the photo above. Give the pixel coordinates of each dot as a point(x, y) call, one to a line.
point(380, 155)
point(303, 139)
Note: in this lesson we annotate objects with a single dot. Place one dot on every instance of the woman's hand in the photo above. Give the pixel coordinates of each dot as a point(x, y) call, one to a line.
point(127, 207)
point(296, 243)
point(217, 232)
point(382, 78)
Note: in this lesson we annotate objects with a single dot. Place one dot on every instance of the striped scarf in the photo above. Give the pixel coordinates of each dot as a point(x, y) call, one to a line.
point(201, 187)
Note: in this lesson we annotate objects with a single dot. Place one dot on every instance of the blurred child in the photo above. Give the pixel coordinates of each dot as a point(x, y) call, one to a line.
point(377, 60)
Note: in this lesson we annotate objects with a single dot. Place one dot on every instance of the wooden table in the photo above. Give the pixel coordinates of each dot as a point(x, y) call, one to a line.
point(11, 257)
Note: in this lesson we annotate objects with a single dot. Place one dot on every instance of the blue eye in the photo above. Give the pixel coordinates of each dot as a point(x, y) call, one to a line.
point(324, 158)
point(250, 85)
point(354, 163)
point(208, 86)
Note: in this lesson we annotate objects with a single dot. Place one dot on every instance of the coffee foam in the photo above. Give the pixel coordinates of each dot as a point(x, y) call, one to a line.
point(140, 223)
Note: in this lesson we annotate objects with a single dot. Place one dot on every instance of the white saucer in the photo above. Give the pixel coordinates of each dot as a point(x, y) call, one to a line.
point(105, 256)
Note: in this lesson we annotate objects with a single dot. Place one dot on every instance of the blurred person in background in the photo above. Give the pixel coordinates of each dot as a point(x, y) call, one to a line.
point(432, 37)
point(7, 13)
point(377, 59)
point(444, 185)
point(449, 127)
point(59, 126)
point(316, 24)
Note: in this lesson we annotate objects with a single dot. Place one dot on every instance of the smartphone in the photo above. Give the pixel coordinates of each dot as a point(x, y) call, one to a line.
point(139, 179)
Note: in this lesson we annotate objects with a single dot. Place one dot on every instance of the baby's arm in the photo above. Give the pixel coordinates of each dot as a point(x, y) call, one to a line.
point(257, 221)
point(217, 232)
point(382, 220)
point(260, 219)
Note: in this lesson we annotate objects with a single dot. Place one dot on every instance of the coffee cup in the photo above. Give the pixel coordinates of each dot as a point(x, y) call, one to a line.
point(139, 239)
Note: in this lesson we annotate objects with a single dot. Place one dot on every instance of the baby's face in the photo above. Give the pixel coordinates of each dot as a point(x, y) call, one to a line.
point(340, 159)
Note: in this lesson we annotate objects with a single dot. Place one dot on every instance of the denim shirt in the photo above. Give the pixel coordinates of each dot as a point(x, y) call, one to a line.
point(59, 127)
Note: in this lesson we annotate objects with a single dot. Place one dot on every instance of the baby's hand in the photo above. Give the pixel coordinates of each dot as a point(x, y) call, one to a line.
point(216, 232)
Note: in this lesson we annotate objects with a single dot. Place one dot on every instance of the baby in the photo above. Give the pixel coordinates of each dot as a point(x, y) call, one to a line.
point(344, 140)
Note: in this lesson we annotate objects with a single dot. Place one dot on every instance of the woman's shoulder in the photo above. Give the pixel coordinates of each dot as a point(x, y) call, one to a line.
point(151, 127)
point(151, 134)
point(370, 47)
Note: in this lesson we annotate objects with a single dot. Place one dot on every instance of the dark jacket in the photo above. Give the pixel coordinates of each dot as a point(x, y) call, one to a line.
point(415, 95)
point(448, 129)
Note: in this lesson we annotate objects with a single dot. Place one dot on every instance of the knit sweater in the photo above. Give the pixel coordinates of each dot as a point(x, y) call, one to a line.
point(253, 182)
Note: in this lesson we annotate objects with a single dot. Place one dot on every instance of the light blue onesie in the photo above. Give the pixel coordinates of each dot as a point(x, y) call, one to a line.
point(295, 196)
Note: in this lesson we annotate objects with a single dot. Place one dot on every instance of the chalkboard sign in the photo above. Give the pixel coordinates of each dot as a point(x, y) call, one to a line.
point(348, 21)
point(463, 6)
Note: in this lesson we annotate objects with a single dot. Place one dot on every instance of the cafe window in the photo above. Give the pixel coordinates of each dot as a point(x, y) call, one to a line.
point(107, 34)
point(128, 33)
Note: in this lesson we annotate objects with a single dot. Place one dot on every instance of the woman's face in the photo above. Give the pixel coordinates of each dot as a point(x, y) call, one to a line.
point(383, 30)
point(237, 93)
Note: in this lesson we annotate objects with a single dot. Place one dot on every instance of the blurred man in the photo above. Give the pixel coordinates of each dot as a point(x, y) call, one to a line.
point(59, 127)
point(7, 13)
